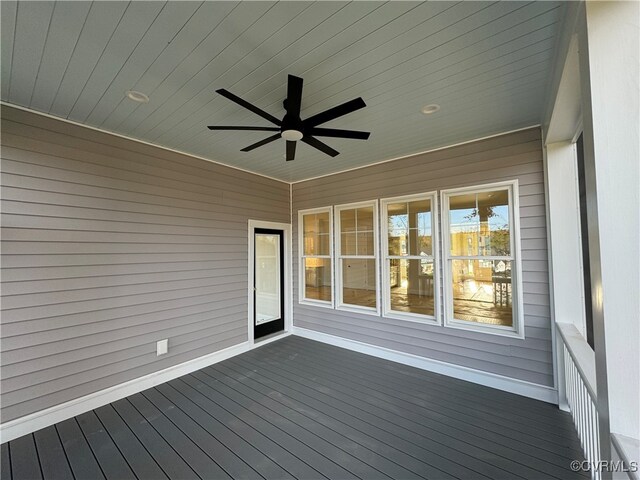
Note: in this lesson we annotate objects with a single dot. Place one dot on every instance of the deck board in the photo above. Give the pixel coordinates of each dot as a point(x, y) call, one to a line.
point(294, 438)
point(263, 465)
point(53, 460)
point(138, 458)
point(191, 452)
point(451, 404)
point(79, 454)
point(161, 451)
point(296, 408)
point(109, 456)
point(24, 459)
point(431, 425)
point(308, 405)
point(5, 461)
point(223, 456)
point(361, 367)
point(260, 439)
point(325, 436)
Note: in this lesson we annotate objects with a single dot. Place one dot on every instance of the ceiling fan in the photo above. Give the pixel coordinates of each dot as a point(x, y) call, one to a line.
point(291, 127)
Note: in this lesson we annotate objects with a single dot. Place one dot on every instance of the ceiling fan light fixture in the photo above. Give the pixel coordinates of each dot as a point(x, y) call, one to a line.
point(292, 135)
point(429, 109)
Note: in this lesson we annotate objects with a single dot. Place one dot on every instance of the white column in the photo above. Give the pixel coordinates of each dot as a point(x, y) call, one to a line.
point(565, 235)
point(610, 65)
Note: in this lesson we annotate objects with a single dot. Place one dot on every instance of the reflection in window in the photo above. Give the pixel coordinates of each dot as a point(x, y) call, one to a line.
point(409, 260)
point(316, 255)
point(356, 251)
point(359, 282)
point(479, 224)
point(482, 291)
point(480, 257)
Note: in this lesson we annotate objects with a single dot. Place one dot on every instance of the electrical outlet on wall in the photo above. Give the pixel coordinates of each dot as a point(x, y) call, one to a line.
point(162, 347)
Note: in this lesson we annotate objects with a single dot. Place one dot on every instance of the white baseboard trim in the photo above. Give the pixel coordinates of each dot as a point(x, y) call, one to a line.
point(50, 416)
point(500, 382)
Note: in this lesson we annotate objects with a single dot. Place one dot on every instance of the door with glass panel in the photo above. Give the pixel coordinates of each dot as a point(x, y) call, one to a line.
point(268, 278)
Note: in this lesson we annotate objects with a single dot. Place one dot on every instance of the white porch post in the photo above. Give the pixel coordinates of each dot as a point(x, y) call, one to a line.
point(564, 247)
point(609, 71)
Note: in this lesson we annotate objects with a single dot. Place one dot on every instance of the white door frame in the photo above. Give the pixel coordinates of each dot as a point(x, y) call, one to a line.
point(288, 287)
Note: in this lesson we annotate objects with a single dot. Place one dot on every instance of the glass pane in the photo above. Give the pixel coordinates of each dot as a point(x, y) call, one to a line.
point(411, 283)
point(356, 236)
point(348, 220)
point(365, 219)
point(267, 281)
point(482, 291)
point(398, 241)
point(316, 233)
point(420, 217)
point(493, 212)
point(317, 279)
point(365, 243)
point(398, 228)
point(419, 244)
point(348, 244)
point(359, 282)
point(464, 224)
point(324, 244)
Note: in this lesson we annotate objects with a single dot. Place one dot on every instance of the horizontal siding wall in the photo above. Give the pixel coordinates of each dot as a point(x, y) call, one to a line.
point(511, 156)
point(109, 245)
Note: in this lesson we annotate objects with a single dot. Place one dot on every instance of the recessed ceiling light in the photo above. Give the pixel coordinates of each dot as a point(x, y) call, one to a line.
point(429, 109)
point(137, 96)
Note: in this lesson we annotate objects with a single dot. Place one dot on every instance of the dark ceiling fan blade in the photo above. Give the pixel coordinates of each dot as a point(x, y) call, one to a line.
point(332, 132)
point(262, 129)
point(248, 106)
point(323, 147)
point(294, 96)
point(270, 139)
point(335, 112)
point(291, 150)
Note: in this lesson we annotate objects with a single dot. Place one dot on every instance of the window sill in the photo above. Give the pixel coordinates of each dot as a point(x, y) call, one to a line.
point(316, 303)
point(412, 317)
point(487, 329)
point(356, 309)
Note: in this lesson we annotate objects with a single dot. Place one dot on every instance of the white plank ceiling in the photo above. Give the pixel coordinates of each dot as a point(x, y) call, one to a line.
point(487, 64)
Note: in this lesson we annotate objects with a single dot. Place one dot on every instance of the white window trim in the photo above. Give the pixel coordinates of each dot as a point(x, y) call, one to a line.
point(337, 257)
point(301, 256)
point(386, 288)
point(517, 330)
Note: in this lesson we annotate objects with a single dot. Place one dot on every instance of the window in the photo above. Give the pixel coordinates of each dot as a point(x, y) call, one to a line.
point(409, 249)
point(316, 256)
point(356, 257)
point(481, 264)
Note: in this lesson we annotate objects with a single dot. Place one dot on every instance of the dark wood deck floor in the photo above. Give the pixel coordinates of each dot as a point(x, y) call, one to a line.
point(301, 409)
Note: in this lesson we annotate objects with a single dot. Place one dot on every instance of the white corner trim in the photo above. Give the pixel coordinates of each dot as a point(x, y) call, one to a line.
point(44, 418)
point(500, 382)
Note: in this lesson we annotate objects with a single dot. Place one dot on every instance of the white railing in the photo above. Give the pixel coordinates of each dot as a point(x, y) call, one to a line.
point(580, 391)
